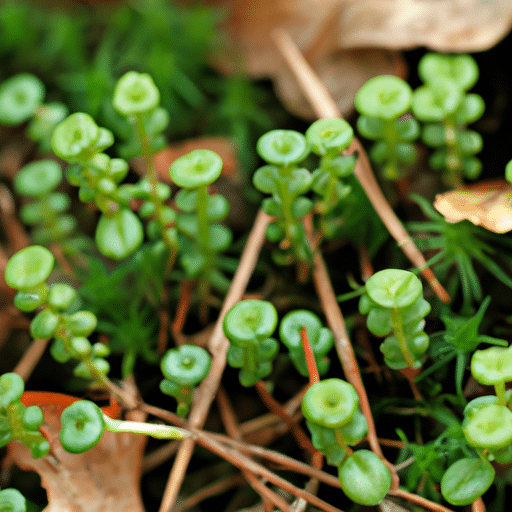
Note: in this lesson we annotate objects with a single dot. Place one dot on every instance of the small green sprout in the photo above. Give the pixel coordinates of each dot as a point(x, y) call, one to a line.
point(446, 108)
point(183, 368)
point(135, 93)
point(18, 422)
point(283, 150)
point(248, 326)
point(320, 338)
point(27, 272)
point(331, 409)
point(394, 303)
point(382, 101)
point(80, 141)
point(38, 180)
point(201, 238)
point(327, 139)
point(20, 96)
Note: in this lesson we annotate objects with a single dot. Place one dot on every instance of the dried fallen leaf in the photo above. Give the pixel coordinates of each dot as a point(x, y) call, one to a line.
point(106, 478)
point(487, 204)
point(327, 31)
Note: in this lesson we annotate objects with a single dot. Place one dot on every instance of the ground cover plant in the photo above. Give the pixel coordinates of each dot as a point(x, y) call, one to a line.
point(159, 355)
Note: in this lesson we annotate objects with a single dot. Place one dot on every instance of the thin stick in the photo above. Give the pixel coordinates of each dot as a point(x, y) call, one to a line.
point(275, 407)
point(325, 107)
point(269, 497)
point(478, 506)
point(182, 309)
point(240, 460)
point(30, 358)
point(218, 346)
point(314, 377)
point(211, 490)
point(284, 461)
point(419, 500)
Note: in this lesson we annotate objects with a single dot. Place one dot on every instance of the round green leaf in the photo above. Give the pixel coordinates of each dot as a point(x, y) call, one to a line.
point(11, 388)
point(38, 178)
point(490, 427)
point(61, 295)
point(266, 179)
point(466, 480)
point(120, 234)
point(32, 417)
point(364, 478)
point(249, 321)
point(135, 93)
point(492, 365)
point(436, 101)
point(186, 365)
point(11, 500)
point(20, 96)
point(461, 69)
point(29, 301)
point(73, 139)
point(81, 323)
point(384, 97)
point(282, 147)
point(29, 268)
point(329, 135)
point(44, 324)
point(394, 288)
point(330, 403)
point(82, 426)
point(199, 168)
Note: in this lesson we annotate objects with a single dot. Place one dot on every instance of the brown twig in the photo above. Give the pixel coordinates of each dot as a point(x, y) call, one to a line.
point(275, 407)
point(211, 490)
point(218, 346)
point(325, 107)
point(478, 506)
point(240, 460)
point(30, 358)
point(269, 497)
point(186, 287)
point(419, 500)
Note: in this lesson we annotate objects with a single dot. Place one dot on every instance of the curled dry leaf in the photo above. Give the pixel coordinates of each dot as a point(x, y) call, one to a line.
point(106, 478)
point(487, 204)
point(328, 33)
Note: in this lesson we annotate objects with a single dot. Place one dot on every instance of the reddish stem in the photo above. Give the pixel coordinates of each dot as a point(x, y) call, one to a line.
point(314, 377)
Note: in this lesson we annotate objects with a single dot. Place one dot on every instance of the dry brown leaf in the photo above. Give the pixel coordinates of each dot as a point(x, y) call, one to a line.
point(486, 204)
point(106, 478)
point(443, 25)
point(327, 31)
point(343, 73)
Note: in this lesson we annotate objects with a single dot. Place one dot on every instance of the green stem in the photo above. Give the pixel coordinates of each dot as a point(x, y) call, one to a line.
point(250, 357)
point(149, 429)
point(147, 153)
point(390, 137)
point(341, 441)
point(203, 233)
point(499, 387)
point(398, 329)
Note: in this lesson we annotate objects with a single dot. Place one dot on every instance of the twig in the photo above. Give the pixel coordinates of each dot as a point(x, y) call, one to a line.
point(274, 406)
point(314, 377)
point(419, 500)
point(240, 460)
point(284, 461)
point(30, 358)
point(182, 310)
point(269, 497)
point(325, 107)
point(218, 346)
point(213, 489)
point(478, 506)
